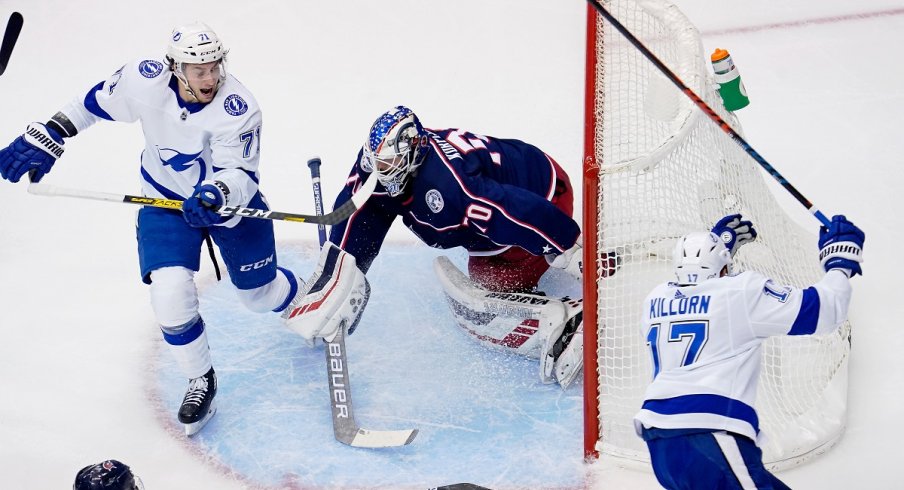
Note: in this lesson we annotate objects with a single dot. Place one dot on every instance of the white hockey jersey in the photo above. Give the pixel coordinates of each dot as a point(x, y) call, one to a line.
point(705, 341)
point(185, 143)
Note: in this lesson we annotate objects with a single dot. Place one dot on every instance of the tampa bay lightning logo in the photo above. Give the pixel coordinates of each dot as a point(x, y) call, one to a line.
point(114, 79)
point(150, 68)
point(434, 200)
point(179, 162)
point(235, 105)
point(177, 36)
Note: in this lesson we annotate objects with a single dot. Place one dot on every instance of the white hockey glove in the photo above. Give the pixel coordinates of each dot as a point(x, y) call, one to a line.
point(572, 260)
point(333, 298)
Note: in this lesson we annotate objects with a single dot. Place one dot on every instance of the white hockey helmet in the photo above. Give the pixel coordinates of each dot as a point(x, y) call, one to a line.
point(195, 43)
point(699, 256)
point(394, 147)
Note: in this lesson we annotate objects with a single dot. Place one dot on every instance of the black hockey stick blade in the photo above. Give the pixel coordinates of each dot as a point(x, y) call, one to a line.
point(460, 486)
point(10, 36)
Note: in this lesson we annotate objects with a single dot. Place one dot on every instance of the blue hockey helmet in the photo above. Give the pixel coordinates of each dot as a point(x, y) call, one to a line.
point(107, 475)
point(394, 148)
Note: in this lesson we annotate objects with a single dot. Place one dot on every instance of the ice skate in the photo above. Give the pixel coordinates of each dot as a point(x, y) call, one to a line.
point(199, 405)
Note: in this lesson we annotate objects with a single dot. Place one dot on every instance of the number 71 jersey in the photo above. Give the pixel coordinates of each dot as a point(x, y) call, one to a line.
point(705, 343)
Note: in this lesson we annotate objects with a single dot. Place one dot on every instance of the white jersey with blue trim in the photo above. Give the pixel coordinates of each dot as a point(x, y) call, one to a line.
point(706, 340)
point(185, 143)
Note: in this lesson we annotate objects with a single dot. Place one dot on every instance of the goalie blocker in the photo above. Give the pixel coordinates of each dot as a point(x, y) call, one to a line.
point(333, 298)
point(535, 326)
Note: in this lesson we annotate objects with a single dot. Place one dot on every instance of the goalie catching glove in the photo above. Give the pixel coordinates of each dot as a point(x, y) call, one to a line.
point(572, 260)
point(333, 298)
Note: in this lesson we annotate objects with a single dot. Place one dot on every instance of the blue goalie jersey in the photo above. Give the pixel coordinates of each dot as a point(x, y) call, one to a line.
point(481, 193)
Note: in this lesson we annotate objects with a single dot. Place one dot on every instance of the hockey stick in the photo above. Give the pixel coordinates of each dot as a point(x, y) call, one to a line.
point(10, 36)
point(345, 427)
point(338, 215)
point(709, 111)
point(460, 486)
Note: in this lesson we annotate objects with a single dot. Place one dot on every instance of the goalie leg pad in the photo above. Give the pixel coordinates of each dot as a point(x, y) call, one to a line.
point(507, 321)
point(333, 298)
point(564, 347)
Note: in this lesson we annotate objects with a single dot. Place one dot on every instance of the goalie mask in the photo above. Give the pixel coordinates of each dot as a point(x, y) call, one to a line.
point(699, 256)
point(196, 44)
point(394, 148)
point(107, 475)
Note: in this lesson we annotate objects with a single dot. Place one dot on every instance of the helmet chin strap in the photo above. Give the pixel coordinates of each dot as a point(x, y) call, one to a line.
point(180, 75)
point(188, 90)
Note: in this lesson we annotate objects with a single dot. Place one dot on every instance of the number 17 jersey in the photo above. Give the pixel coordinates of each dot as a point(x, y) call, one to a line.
point(705, 343)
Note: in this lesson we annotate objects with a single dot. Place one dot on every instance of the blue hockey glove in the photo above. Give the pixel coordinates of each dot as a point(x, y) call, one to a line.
point(200, 209)
point(37, 149)
point(841, 245)
point(734, 232)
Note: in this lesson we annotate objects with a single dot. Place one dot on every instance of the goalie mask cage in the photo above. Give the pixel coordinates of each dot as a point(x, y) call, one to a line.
point(655, 168)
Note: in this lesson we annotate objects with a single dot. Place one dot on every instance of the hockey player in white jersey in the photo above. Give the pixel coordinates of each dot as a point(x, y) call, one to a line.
point(705, 331)
point(202, 132)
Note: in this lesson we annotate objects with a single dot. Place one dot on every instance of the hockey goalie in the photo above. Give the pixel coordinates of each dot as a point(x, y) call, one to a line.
point(505, 201)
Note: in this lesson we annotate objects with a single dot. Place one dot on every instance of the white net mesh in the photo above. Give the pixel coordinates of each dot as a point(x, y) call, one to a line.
point(665, 170)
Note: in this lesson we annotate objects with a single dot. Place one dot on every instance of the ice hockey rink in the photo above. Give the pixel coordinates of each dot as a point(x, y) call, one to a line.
point(84, 375)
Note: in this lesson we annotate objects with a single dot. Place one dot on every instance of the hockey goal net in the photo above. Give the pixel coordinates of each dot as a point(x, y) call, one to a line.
point(655, 168)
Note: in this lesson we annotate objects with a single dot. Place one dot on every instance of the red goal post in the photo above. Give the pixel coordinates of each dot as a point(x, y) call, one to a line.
point(655, 167)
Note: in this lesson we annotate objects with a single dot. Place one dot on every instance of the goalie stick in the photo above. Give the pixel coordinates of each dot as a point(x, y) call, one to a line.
point(337, 216)
point(345, 427)
point(699, 102)
point(10, 36)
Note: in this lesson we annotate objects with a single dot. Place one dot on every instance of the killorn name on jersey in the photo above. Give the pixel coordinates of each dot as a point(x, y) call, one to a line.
point(685, 305)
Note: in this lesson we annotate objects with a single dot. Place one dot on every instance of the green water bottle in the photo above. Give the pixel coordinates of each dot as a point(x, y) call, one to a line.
point(731, 88)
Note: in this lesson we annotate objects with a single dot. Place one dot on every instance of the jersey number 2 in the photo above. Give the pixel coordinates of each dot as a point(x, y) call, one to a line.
point(692, 335)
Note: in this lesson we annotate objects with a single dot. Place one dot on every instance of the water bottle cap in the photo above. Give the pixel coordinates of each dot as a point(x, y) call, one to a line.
point(718, 55)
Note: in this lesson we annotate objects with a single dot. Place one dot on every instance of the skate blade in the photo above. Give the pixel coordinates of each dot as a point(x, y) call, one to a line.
point(193, 428)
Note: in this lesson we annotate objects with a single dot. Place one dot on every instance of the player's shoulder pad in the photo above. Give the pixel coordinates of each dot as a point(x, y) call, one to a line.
point(136, 75)
point(235, 100)
point(141, 70)
point(438, 145)
point(148, 68)
point(741, 279)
